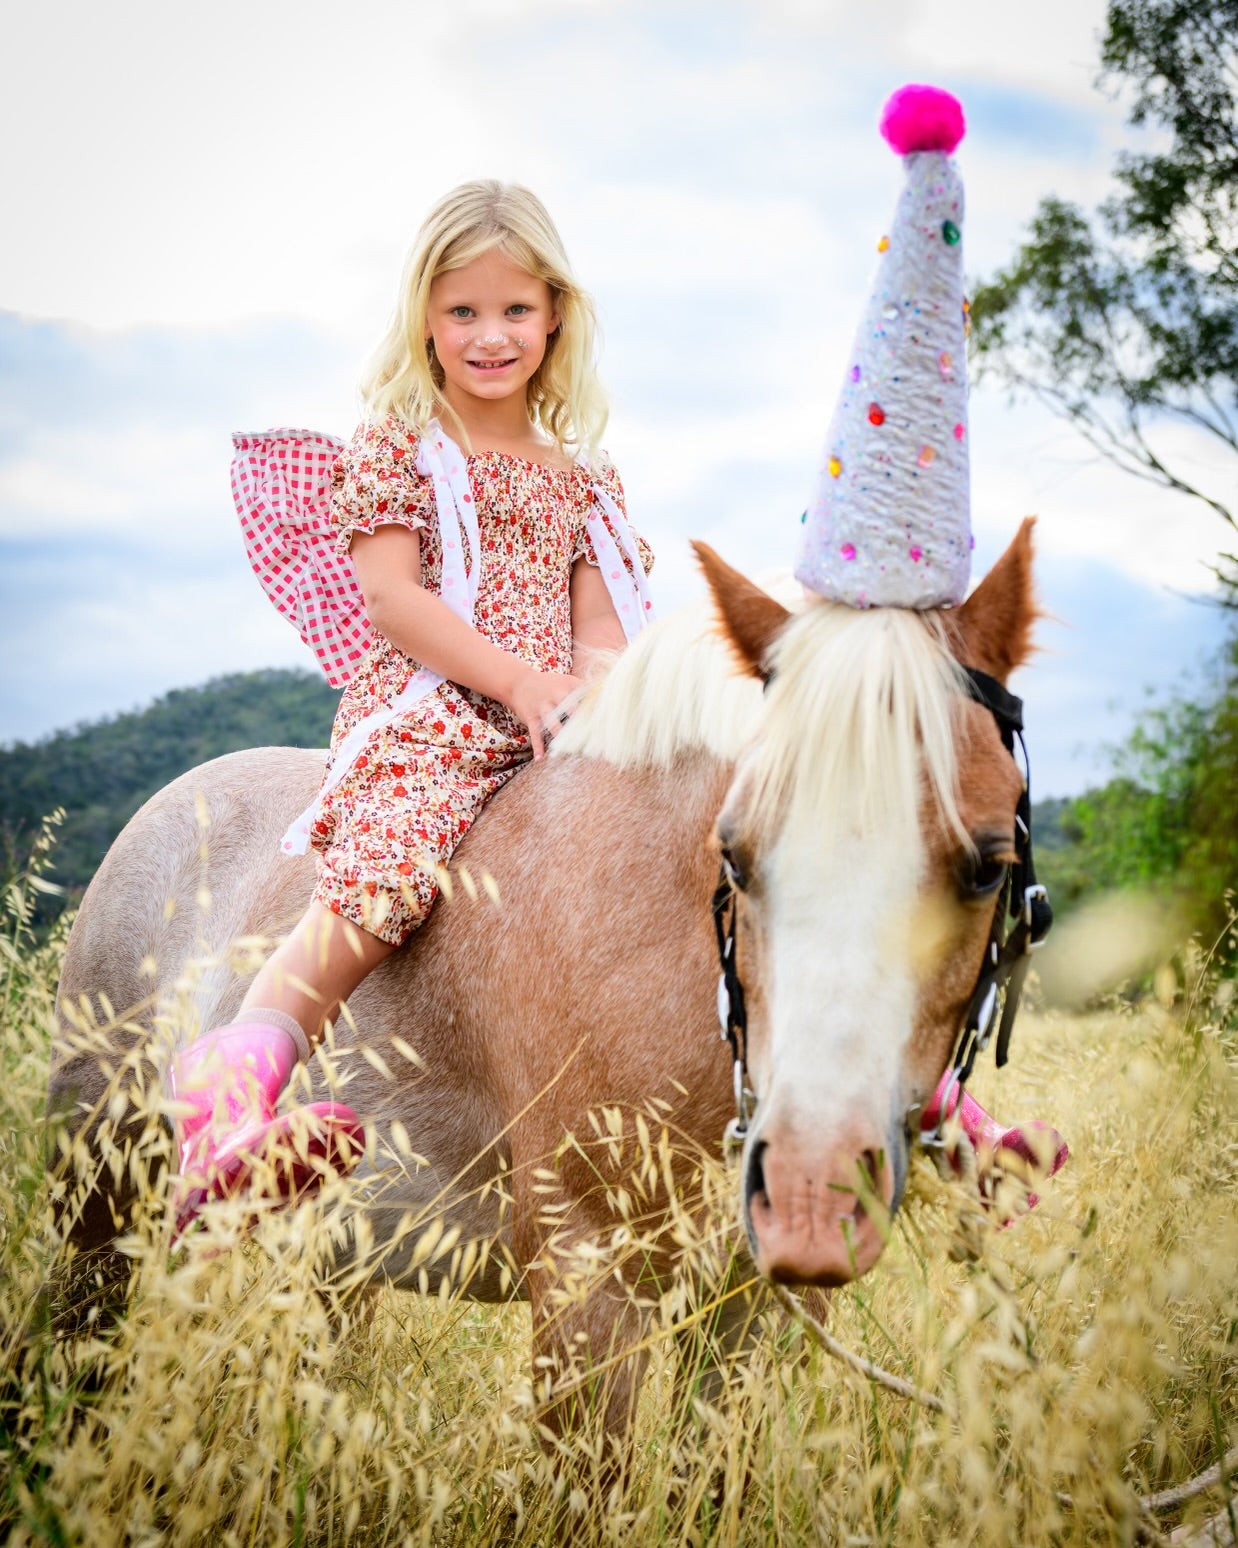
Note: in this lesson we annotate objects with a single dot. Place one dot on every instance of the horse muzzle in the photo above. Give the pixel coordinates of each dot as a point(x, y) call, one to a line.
point(818, 1214)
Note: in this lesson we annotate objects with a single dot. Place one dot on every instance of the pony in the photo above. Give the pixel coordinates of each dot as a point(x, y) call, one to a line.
point(863, 804)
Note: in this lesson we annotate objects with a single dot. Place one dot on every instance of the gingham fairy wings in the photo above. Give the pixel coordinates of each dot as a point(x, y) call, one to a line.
point(281, 482)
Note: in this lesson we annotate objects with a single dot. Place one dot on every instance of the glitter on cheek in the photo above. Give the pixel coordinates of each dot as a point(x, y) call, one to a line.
point(520, 343)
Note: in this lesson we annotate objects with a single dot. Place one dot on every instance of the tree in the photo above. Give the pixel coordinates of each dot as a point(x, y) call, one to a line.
point(1165, 821)
point(1129, 318)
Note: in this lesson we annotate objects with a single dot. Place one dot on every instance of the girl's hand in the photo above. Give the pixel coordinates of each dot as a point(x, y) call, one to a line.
point(540, 700)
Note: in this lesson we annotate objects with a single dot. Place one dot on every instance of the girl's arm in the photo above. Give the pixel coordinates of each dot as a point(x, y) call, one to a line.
point(595, 624)
point(388, 563)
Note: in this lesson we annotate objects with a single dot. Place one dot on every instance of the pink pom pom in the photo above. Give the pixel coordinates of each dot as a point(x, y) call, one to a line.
point(922, 118)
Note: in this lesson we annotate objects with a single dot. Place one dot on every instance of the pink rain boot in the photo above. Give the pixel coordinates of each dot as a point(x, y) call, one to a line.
point(232, 1078)
point(1031, 1150)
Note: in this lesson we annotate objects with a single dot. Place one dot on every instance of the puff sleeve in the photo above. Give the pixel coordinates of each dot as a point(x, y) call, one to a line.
point(375, 483)
point(607, 478)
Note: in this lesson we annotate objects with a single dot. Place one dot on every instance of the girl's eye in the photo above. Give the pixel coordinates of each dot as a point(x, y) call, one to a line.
point(461, 311)
point(519, 309)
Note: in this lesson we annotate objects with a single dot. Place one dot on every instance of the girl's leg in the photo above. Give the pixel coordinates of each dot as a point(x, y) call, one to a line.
point(323, 960)
point(230, 1079)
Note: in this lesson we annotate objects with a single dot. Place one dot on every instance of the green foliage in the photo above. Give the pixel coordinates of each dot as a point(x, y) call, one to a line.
point(1130, 317)
point(100, 773)
point(1165, 822)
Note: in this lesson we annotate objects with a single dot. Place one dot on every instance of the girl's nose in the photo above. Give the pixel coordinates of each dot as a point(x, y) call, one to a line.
point(499, 341)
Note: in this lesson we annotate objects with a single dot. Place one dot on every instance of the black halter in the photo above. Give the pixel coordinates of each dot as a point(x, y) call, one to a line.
point(1021, 921)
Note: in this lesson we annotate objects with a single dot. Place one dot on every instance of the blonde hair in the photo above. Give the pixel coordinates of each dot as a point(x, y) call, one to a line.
point(404, 380)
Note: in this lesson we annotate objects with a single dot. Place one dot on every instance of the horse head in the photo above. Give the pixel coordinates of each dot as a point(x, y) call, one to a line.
point(868, 832)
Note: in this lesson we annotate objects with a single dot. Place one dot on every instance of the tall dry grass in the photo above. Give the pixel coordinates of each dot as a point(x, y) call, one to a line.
point(1085, 1357)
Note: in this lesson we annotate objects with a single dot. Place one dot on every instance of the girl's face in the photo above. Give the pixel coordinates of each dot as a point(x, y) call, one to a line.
point(490, 322)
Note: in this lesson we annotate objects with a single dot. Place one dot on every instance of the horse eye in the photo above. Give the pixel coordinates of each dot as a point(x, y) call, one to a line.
point(980, 876)
point(735, 872)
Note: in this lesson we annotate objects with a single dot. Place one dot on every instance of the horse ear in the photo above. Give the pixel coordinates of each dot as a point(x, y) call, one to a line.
point(994, 626)
point(750, 617)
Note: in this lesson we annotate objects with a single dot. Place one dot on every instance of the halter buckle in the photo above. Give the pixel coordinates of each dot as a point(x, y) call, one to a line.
point(1032, 895)
point(736, 1131)
point(734, 1135)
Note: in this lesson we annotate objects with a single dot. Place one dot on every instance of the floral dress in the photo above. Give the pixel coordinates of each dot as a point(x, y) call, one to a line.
point(388, 827)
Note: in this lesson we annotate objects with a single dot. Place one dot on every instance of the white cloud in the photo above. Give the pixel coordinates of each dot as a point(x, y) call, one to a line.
point(719, 181)
point(76, 480)
point(1027, 463)
point(1050, 47)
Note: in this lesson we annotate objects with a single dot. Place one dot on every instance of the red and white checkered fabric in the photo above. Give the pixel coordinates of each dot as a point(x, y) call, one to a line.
point(281, 482)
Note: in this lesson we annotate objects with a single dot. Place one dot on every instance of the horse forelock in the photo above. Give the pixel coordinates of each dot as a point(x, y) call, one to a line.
point(857, 723)
point(858, 726)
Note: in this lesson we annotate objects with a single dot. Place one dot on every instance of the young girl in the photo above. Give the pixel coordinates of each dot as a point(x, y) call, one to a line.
point(481, 577)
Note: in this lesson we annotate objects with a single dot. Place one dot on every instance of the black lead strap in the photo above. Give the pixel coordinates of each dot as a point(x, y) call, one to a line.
point(1021, 919)
point(732, 1013)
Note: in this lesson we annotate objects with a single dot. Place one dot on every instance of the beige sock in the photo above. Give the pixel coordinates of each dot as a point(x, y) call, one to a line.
point(282, 1020)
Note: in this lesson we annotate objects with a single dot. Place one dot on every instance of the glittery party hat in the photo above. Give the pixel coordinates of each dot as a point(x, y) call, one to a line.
point(889, 523)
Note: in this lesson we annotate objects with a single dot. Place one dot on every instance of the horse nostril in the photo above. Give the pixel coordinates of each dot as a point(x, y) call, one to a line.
point(754, 1180)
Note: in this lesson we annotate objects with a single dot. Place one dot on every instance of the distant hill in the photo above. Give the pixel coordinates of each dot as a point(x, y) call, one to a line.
point(102, 771)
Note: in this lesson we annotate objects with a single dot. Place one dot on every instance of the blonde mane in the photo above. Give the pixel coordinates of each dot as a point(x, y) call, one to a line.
point(858, 720)
point(675, 689)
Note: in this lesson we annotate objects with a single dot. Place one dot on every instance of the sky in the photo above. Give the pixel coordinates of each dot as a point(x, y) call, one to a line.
point(208, 209)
